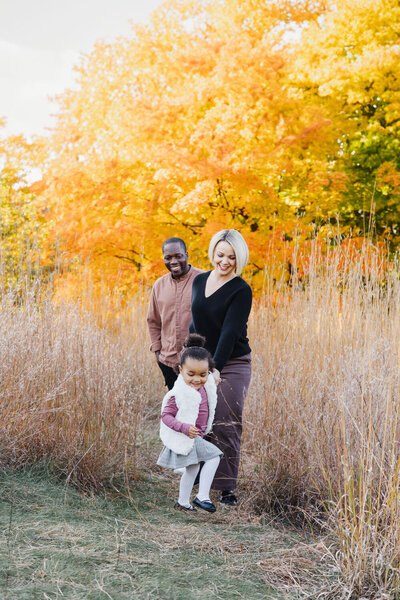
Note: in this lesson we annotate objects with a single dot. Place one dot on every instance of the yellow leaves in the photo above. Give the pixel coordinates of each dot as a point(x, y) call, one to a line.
point(333, 182)
point(326, 89)
point(309, 134)
point(353, 48)
point(388, 179)
point(203, 192)
point(162, 175)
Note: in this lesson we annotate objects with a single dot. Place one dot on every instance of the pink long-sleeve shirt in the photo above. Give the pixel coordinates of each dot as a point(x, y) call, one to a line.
point(169, 315)
point(170, 410)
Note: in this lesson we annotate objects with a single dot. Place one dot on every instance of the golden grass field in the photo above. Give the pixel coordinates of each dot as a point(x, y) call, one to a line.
point(81, 392)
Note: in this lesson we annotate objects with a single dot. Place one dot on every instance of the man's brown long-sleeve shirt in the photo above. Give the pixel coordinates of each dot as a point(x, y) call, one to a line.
point(169, 314)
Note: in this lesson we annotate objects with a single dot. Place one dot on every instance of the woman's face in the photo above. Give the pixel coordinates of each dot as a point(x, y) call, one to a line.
point(224, 259)
point(194, 372)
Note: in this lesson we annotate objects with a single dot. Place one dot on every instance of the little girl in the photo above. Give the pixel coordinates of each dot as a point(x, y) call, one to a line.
point(187, 414)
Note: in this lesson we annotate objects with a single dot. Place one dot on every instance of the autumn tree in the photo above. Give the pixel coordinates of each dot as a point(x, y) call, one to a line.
point(183, 128)
point(270, 117)
point(348, 67)
point(23, 226)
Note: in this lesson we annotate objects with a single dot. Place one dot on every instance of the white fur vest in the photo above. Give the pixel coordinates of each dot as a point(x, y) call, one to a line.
point(188, 401)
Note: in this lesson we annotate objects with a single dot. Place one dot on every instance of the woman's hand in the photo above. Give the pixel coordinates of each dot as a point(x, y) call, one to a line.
point(217, 376)
point(193, 432)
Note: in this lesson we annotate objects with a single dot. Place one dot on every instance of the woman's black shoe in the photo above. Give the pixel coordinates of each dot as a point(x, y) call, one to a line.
point(205, 505)
point(228, 498)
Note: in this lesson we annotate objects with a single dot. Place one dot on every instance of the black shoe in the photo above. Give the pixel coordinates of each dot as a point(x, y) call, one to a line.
point(205, 505)
point(180, 507)
point(228, 498)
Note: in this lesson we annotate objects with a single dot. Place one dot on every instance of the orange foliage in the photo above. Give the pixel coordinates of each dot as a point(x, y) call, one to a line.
point(197, 122)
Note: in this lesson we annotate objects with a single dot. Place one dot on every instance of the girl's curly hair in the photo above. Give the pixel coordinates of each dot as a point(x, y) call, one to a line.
point(193, 347)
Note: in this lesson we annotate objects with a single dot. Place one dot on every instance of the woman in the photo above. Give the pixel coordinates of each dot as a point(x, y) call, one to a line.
point(221, 304)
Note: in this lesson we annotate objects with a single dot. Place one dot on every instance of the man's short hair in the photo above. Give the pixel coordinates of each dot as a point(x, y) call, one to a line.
point(174, 240)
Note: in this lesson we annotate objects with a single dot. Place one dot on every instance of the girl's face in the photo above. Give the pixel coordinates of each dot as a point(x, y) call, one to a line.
point(224, 259)
point(194, 372)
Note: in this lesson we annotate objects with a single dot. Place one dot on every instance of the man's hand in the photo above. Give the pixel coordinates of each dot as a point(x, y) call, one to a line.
point(157, 353)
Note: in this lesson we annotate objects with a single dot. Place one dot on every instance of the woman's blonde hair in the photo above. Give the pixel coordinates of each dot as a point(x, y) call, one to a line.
point(236, 240)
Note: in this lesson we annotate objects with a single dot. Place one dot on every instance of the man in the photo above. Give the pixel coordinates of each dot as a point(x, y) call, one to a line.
point(169, 311)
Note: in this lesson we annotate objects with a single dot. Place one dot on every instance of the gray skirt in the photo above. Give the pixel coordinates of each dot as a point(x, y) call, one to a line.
point(201, 451)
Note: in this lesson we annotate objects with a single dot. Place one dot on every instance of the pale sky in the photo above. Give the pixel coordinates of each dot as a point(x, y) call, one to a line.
point(41, 40)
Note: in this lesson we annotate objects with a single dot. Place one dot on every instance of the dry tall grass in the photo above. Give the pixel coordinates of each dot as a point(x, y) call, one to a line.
point(322, 421)
point(73, 390)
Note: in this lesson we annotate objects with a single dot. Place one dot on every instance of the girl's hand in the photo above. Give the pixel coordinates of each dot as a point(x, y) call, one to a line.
point(193, 432)
point(217, 376)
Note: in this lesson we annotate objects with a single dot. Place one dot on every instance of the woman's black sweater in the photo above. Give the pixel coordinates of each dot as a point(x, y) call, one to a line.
point(222, 317)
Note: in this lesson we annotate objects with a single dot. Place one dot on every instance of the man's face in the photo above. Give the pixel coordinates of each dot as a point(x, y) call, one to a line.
point(175, 259)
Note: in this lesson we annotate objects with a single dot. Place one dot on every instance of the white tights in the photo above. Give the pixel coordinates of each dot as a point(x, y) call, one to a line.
point(206, 478)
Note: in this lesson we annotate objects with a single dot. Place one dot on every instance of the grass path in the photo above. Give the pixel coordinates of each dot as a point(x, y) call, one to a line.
point(57, 543)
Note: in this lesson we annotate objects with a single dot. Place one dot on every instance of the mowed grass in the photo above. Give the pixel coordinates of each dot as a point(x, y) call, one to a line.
point(58, 543)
